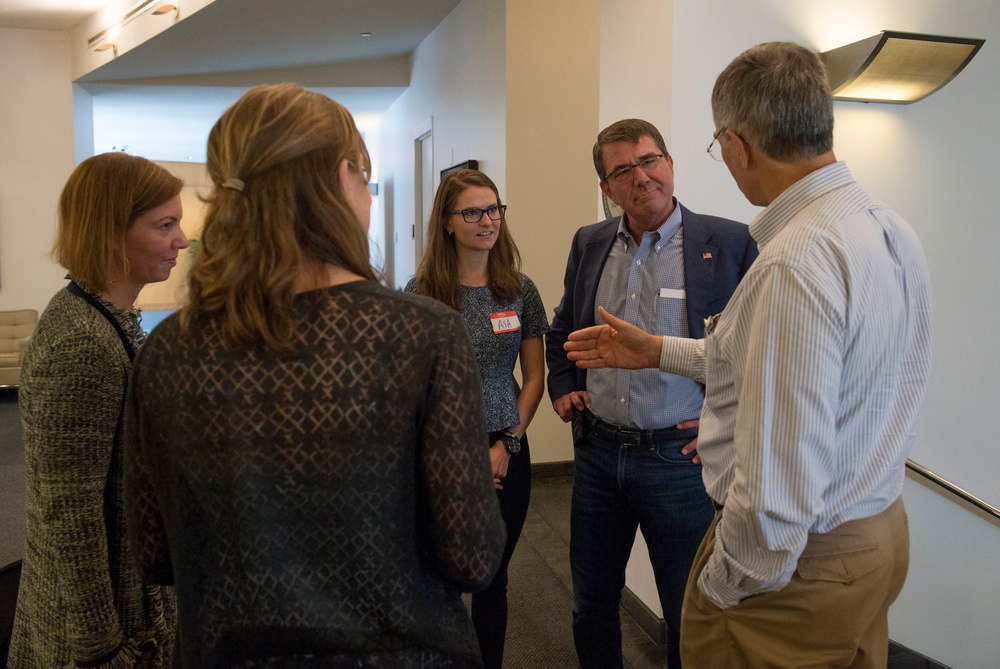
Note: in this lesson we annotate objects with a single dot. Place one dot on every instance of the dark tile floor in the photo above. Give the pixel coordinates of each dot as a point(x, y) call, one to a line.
point(547, 531)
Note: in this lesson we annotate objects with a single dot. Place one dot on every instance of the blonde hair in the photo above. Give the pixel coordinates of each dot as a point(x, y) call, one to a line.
point(103, 196)
point(277, 208)
point(437, 275)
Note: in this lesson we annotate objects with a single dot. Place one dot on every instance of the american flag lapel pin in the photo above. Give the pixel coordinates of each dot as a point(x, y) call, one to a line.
point(706, 256)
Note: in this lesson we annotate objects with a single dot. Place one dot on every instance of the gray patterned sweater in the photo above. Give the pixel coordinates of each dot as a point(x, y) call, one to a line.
point(496, 352)
point(81, 598)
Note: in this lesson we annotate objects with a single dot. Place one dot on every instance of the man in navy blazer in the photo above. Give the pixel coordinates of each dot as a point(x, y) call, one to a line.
point(665, 269)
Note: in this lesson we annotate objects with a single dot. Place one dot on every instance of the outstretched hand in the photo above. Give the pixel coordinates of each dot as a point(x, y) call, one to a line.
point(617, 344)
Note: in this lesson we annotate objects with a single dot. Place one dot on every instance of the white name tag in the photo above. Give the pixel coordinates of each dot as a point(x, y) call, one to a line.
point(505, 321)
point(672, 292)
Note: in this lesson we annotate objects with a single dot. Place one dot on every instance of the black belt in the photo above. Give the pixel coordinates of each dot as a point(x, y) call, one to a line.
point(631, 436)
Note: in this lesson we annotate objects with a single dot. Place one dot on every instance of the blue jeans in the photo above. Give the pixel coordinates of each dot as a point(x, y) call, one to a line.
point(617, 488)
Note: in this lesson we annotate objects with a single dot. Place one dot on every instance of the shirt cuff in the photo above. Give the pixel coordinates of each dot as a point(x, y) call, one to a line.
point(683, 356)
point(716, 590)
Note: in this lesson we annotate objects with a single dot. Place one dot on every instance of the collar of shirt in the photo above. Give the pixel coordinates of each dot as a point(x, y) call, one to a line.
point(666, 230)
point(791, 201)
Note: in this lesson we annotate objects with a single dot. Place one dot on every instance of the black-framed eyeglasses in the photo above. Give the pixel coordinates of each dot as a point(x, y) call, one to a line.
point(647, 164)
point(715, 148)
point(475, 214)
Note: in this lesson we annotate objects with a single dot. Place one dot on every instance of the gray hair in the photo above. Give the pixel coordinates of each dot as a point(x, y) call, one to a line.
point(777, 97)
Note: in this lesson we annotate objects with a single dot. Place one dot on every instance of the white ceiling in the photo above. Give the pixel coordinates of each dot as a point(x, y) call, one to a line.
point(46, 14)
point(160, 99)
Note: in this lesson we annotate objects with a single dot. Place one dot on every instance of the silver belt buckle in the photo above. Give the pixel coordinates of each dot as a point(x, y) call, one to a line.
point(630, 438)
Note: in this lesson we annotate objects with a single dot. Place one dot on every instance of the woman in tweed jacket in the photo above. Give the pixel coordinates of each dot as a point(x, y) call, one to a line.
point(81, 600)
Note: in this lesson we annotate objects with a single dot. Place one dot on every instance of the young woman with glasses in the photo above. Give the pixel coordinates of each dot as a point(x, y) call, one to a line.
point(473, 266)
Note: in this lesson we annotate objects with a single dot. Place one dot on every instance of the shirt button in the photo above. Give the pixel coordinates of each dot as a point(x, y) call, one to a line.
point(622, 400)
point(638, 262)
point(633, 296)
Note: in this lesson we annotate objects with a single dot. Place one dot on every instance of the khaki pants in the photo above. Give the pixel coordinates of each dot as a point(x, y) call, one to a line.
point(833, 613)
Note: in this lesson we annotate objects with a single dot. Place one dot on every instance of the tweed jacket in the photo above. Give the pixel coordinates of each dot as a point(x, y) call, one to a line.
point(81, 598)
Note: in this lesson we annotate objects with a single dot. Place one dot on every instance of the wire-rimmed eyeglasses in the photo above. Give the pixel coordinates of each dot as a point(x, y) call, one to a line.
point(715, 148)
point(647, 164)
point(475, 214)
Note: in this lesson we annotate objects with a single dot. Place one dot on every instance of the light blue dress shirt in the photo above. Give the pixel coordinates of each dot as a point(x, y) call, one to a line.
point(644, 285)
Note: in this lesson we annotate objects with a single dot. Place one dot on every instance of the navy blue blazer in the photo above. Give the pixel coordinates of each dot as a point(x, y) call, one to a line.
point(717, 253)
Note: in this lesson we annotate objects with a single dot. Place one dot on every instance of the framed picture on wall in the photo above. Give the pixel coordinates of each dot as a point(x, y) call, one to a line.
point(467, 165)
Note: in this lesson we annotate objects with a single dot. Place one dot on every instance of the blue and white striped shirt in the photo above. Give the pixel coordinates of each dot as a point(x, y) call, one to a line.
point(815, 375)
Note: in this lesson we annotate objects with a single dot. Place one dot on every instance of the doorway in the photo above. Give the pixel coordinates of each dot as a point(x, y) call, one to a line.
point(423, 184)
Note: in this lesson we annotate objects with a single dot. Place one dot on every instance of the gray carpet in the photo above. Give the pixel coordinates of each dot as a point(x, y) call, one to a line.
point(539, 631)
point(540, 594)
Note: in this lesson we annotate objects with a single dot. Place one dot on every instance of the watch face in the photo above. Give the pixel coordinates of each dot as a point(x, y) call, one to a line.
point(512, 444)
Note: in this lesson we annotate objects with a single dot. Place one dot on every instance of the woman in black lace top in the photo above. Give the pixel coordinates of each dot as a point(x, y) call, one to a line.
point(303, 458)
point(473, 265)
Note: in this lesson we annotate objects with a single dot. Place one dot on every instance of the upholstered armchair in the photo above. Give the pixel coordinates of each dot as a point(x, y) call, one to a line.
point(15, 330)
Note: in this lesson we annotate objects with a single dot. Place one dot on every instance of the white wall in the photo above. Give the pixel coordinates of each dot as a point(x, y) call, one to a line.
point(553, 95)
point(636, 82)
point(458, 84)
point(935, 162)
point(36, 136)
point(949, 607)
point(636, 68)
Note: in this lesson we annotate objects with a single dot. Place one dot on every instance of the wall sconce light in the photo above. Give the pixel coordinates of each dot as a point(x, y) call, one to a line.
point(897, 67)
point(135, 11)
point(165, 9)
point(105, 46)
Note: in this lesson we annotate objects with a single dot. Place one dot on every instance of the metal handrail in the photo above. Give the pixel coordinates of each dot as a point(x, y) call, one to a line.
point(954, 489)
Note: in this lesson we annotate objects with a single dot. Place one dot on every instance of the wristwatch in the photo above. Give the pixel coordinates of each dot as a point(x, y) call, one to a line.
point(511, 443)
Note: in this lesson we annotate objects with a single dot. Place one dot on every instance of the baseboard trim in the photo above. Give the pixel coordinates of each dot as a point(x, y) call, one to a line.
point(547, 469)
point(901, 656)
point(656, 629)
point(653, 625)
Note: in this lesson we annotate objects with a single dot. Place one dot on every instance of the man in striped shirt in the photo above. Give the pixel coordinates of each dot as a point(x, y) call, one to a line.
point(815, 373)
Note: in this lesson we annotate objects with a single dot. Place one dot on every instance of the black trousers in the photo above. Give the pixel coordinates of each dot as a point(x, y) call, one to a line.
point(489, 607)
